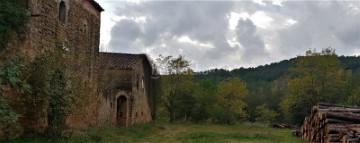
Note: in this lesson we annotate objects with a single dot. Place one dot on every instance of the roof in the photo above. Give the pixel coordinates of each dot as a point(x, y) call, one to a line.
point(122, 60)
point(96, 5)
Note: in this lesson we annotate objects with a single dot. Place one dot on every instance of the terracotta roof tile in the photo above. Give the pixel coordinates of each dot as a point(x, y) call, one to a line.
point(120, 60)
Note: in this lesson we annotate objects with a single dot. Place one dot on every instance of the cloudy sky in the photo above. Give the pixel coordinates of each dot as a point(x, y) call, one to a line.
point(230, 34)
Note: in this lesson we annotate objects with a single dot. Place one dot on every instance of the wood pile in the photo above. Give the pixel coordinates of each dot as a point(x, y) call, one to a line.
point(329, 123)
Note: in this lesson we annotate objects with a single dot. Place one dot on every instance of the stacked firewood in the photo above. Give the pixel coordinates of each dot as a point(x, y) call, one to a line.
point(329, 123)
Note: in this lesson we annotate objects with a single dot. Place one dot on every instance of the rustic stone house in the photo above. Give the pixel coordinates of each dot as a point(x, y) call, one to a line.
point(126, 85)
point(74, 25)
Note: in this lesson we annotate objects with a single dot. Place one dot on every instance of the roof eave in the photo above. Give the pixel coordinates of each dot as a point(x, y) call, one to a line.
point(97, 5)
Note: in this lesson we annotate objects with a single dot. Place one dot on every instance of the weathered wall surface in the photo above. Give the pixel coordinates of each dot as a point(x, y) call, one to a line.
point(112, 82)
point(141, 107)
point(79, 35)
point(82, 34)
point(105, 94)
point(132, 83)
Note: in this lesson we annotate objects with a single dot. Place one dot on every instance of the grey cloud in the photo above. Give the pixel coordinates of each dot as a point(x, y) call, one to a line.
point(201, 21)
point(246, 35)
point(319, 24)
point(123, 34)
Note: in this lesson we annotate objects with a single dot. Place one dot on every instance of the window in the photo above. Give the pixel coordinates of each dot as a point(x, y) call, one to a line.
point(84, 27)
point(62, 12)
point(142, 83)
point(137, 81)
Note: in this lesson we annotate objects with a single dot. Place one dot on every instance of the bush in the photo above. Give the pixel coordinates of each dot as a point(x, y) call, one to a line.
point(47, 77)
point(221, 116)
point(265, 115)
point(10, 80)
point(354, 99)
point(12, 16)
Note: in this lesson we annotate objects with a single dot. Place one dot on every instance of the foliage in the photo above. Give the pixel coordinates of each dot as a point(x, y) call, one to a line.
point(231, 94)
point(269, 85)
point(176, 84)
point(184, 105)
point(205, 100)
point(11, 80)
point(265, 115)
point(354, 99)
point(221, 115)
point(47, 77)
point(315, 77)
point(13, 16)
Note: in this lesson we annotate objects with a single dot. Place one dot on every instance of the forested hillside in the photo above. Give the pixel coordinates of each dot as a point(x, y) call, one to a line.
point(270, 72)
point(267, 84)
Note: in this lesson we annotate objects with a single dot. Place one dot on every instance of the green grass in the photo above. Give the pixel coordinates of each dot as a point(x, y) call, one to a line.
point(178, 132)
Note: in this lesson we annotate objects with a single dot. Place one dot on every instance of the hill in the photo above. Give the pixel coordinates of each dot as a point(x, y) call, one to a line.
point(267, 83)
point(271, 72)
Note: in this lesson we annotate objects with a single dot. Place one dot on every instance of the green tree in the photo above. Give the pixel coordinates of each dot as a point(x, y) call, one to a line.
point(205, 100)
point(11, 81)
point(12, 16)
point(176, 82)
point(230, 96)
point(265, 115)
point(315, 77)
point(354, 99)
point(50, 90)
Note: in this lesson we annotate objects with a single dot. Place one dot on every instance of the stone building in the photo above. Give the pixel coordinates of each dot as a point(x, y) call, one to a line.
point(120, 90)
point(73, 25)
point(126, 82)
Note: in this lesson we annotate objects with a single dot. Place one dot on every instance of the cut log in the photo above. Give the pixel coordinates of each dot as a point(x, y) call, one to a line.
point(329, 123)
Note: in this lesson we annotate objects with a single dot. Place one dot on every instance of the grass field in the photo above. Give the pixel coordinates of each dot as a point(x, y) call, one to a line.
point(178, 132)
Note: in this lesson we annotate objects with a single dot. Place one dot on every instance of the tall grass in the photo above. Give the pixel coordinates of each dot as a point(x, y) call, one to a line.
point(177, 132)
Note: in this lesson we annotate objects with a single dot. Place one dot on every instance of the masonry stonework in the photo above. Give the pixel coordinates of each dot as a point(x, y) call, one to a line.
point(125, 83)
point(44, 31)
point(123, 94)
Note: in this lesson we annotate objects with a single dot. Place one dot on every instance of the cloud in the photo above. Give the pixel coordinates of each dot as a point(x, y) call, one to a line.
point(233, 34)
point(320, 25)
point(253, 44)
point(122, 33)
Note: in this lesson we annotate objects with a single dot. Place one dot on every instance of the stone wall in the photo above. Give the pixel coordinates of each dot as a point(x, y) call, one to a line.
point(112, 83)
point(79, 35)
point(141, 87)
point(133, 84)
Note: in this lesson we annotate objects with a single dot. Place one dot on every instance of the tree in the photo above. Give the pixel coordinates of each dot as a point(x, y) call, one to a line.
point(13, 16)
point(315, 77)
point(205, 100)
point(354, 99)
point(11, 82)
point(175, 83)
point(230, 95)
point(51, 90)
point(265, 115)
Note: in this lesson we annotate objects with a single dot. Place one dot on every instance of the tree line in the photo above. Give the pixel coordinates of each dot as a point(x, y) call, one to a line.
point(281, 92)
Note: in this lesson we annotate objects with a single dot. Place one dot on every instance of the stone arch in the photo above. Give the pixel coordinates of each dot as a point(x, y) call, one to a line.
point(122, 109)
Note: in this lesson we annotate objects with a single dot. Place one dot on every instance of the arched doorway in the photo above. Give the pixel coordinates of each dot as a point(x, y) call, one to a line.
point(121, 111)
